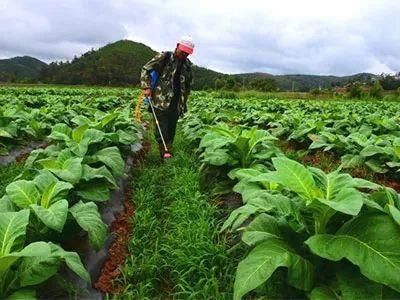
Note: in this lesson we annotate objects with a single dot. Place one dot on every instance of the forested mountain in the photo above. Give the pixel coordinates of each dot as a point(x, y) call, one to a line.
point(20, 67)
point(120, 63)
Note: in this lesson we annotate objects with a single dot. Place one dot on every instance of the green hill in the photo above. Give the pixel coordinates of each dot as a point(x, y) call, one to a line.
point(20, 67)
point(302, 82)
point(204, 78)
point(120, 63)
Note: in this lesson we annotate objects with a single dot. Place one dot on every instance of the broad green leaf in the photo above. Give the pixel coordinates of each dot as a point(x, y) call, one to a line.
point(324, 293)
point(360, 183)
point(385, 196)
point(50, 163)
point(214, 141)
point(257, 136)
point(243, 173)
point(264, 259)
point(373, 204)
point(353, 285)
point(369, 241)
point(347, 200)
point(81, 120)
point(37, 249)
point(259, 201)
point(334, 185)
point(126, 137)
point(376, 166)
point(90, 173)
point(54, 216)
point(244, 187)
point(79, 149)
point(262, 228)
point(34, 270)
point(359, 138)
point(238, 216)
point(78, 133)
point(90, 136)
point(218, 157)
point(339, 192)
point(33, 156)
point(72, 260)
point(6, 205)
point(44, 180)
point(94, 192)
point(61, 132)
point(24, 294)
point(106, 120)
point(294, 176)
point(111, 157)
point(112, 137)
point(4, 133)
point(93, 136)
point(371, 150)
point(265, 202)
point(51, 188)
point(352, 161)
point(69, 170)
point(12, 227)
point(52, 193)
point(393, 164)
point(23, 193)
point(88, 217)
point(394, 212)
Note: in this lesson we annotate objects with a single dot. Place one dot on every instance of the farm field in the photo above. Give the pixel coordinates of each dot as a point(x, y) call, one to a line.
point(264, 197)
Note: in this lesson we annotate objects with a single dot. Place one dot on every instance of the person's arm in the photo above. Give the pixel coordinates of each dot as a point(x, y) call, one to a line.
point(154, 64)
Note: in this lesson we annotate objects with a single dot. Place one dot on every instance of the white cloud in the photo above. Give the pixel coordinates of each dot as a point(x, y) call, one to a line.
point(319, 37)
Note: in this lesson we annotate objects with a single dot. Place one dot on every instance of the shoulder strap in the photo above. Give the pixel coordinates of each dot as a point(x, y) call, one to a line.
point(154, 76)
point(167, 57)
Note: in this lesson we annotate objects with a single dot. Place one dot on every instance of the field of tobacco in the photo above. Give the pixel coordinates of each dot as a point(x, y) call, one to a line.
point(56, 205)
point(263, 197)
point(318, 215)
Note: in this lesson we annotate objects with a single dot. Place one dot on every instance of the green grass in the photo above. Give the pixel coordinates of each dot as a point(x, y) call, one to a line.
point(175, 249)
point(7, 175)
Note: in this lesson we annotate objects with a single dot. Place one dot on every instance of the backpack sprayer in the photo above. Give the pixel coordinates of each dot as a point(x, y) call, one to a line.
point(148, 100)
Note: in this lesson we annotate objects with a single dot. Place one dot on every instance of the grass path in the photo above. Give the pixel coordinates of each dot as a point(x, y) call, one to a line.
point(176, 252)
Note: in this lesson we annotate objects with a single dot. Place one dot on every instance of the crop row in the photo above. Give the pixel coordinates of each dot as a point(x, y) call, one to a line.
point(308, 233)
point(361, 133)
point(29, 113)
point(56, 197)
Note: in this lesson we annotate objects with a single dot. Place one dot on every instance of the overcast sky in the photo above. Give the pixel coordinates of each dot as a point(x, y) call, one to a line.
point(337, 37)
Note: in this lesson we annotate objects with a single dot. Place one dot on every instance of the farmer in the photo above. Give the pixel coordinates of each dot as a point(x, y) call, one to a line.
point(171, 91)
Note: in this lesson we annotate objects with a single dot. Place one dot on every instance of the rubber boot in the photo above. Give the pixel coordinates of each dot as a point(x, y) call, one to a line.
point(165, 154)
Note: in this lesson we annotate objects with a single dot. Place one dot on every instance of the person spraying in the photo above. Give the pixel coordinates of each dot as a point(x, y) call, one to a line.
point(166, 81)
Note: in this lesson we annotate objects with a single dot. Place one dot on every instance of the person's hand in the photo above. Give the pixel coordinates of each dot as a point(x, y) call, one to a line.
point(147, 93)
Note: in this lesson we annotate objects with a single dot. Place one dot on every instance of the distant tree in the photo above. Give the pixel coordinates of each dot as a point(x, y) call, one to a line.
point(315, 92)
point(219, 83)
point(354, 90)
point(229, 83)
point(3, 77)
point(237, 87)
point(376, 90)
point(389, 82)
point(12, 77)
point(263, 84)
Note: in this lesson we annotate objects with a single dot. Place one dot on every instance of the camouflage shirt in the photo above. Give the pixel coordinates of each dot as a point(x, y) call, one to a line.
point(166, 65)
